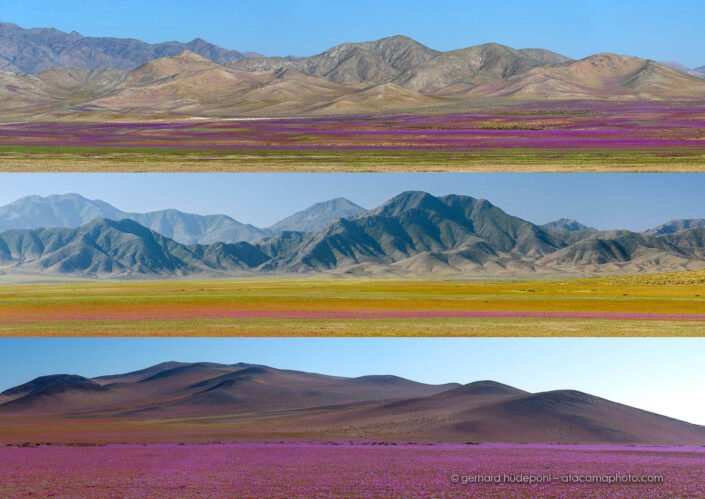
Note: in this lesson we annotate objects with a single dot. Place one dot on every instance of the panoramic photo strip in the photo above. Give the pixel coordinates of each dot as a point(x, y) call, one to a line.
point(594, 86)
point(349, 417)
point(313, 249)
point(352, 254)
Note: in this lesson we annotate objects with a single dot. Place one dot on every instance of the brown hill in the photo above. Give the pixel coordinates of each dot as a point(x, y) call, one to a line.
point(394, 73)
point(563, 416)
point(598, 76)
point(368, 62)
point(23, 95)
point(263, 402)
point(192, 85)
point(173, 389)
point(464, 69)
point(185, 84)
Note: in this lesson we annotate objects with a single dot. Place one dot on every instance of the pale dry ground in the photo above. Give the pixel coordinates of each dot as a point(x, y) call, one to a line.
point(293, 164)
point(365, 328)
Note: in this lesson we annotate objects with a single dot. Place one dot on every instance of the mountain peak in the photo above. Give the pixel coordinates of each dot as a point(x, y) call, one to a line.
point(673, 226)
point(44, 382)
point(399, 37)
point(567, 225)
point(610, 59)
point(483, 387)
point(410, 199)
point(51, 197)
point(545, 56)
point(318, 216)
point(489, 386)
point(74, 210)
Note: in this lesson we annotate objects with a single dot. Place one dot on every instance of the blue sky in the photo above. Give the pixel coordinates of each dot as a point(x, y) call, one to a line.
point(657, 374)
point(648, 28)
point(605, 201)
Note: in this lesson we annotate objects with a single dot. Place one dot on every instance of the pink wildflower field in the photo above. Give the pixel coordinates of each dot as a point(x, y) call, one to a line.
point(350, 470)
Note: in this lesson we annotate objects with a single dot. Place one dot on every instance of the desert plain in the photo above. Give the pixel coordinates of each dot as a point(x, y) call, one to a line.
point(670, 304)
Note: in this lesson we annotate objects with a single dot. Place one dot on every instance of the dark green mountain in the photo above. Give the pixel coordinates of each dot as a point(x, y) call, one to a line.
point(107, 248)
point(413, 233)
point(415, 223)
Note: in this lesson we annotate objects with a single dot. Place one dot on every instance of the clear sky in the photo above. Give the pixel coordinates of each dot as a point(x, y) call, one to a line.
point(604, 201)
point(649, 28)
point(661, 375)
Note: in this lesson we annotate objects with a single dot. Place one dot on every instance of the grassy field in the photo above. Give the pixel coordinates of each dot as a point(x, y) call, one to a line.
point(659, 305)
point(109, 159)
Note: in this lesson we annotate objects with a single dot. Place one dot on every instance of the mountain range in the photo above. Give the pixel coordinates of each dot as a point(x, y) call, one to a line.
point(261, 401)
point(413, 233)
point(74, 210)
point(35, 50)
point(50, 73)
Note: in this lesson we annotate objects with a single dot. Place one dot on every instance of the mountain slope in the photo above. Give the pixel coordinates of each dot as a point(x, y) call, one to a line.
point(673, 226)
point(318, 216)
point(81, 84)
point(413, 223)
point(368, 62)
point(107, 248)
point(598, 76)
point(262, 401)
point(173, 389)
point(464, 69)
point(36, 50)
point(614, 248)
point(69, 210)
point(567, 225)
point(488, 411)
point(190, 85)
point(74, 210)
point(545, 56)
point(183, 84)
point(404, 61)
point(26, 95)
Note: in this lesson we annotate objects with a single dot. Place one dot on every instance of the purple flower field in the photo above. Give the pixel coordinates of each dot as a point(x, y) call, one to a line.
point(350, 470)
point(601, 125)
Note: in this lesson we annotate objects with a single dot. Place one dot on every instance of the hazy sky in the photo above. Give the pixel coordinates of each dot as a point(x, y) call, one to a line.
point(605, 201)
point(649, 28)
point(661, 375)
